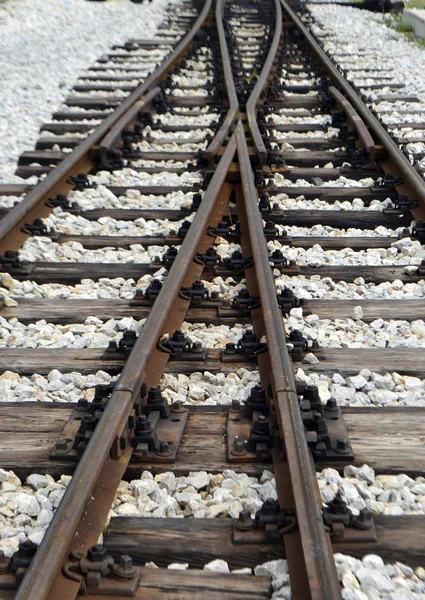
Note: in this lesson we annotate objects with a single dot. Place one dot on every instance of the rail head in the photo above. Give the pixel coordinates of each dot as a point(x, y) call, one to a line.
point(226, 127)
point(251, 105)
point(309, 551)
point(77, 504)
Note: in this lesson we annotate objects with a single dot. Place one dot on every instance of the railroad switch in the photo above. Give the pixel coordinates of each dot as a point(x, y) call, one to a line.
point(12, 570)
point(344, 526)
point(180, 347)
point(271, 522)
point(98, 573)
point(247, 348)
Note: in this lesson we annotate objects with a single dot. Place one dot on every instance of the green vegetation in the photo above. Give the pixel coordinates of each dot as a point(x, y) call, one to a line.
point(394, 22)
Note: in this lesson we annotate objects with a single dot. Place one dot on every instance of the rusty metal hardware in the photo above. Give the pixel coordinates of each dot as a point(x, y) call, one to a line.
point(418, 231)
point(401, 205)
point(279, 261)
point(169, 256)
point(225, 230)
point(62, 201)
point(12, 570)
point(287, 300)
point(183, 229)
point(327, 435)
point(180, 347)
point(79, 181)
point(98, 574)
point(247, 348)
point(244, 302)
point(264, 205)
point(37, 227)
point(387, 182)
point(196, 202)
point(248, 433)
point(157, 437)
point(209, 258)
point(269, 526)
point(148, 297)
point(270, 230)
point(344, 526)
point(10, 260)
point(299, 344)
point(199, 296)
point(121, 349)
point(236, 262)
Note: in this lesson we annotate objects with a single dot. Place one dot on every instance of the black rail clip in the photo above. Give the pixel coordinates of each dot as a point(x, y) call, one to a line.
point(270, 524)
point(180, 347)
point(246, 349)
point(344, 526)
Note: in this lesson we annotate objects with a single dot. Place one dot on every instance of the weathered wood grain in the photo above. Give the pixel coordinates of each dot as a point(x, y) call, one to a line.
point(391, 440)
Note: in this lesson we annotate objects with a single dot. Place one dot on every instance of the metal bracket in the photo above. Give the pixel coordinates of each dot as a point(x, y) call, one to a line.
point(99, 575)
point(12, 570)
point(343, 526)
point(248, 437)
point(180, 347)
point(271, 523)
point(154, 430)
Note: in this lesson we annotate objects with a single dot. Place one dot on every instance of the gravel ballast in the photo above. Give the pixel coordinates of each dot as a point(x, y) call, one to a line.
point(45, 46)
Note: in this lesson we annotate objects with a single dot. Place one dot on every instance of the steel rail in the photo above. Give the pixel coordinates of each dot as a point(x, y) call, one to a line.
point(260, 86)
point(79, 500)
point(409, 174)
point(19, 214)
point(309, 550)
point(219, 138)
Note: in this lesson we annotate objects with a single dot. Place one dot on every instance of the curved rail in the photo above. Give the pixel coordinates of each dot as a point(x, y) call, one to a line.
point(409, 174)
point(229, 121)
point(260, 148)
point(79, 160)
point(83, 510)
point(308, 550)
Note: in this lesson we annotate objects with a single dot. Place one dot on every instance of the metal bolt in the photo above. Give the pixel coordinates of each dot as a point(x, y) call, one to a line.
point(364, 520)
point(244, 521)
point(236, 405)
point(177, 406)
point(61, 445)
point(342, 446)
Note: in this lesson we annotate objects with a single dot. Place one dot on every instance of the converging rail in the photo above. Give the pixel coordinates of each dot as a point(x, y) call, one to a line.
point(254, 153)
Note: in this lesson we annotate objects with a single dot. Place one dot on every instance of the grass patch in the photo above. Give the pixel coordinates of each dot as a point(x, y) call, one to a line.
point(394, 21)
point(415, 4)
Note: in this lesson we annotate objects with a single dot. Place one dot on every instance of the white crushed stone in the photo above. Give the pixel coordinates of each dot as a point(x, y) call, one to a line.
point(328, 289)
point(38, 67)
point(367, 388)
point(403, 252)
point(350, 333)
point(129, 177)
point(53, 387)
point(302, 203)
point(102, 197)
point(95, 333)
point(71, 224)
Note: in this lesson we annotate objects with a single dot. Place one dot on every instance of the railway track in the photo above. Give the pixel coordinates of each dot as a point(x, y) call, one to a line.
point(222, 263)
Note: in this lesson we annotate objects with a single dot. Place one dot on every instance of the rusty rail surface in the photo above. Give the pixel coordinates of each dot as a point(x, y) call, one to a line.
point(82, 513)
point(260, 86)
point(407, 171)
point(79, 159)
point(229, 121)
point(308, 550)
